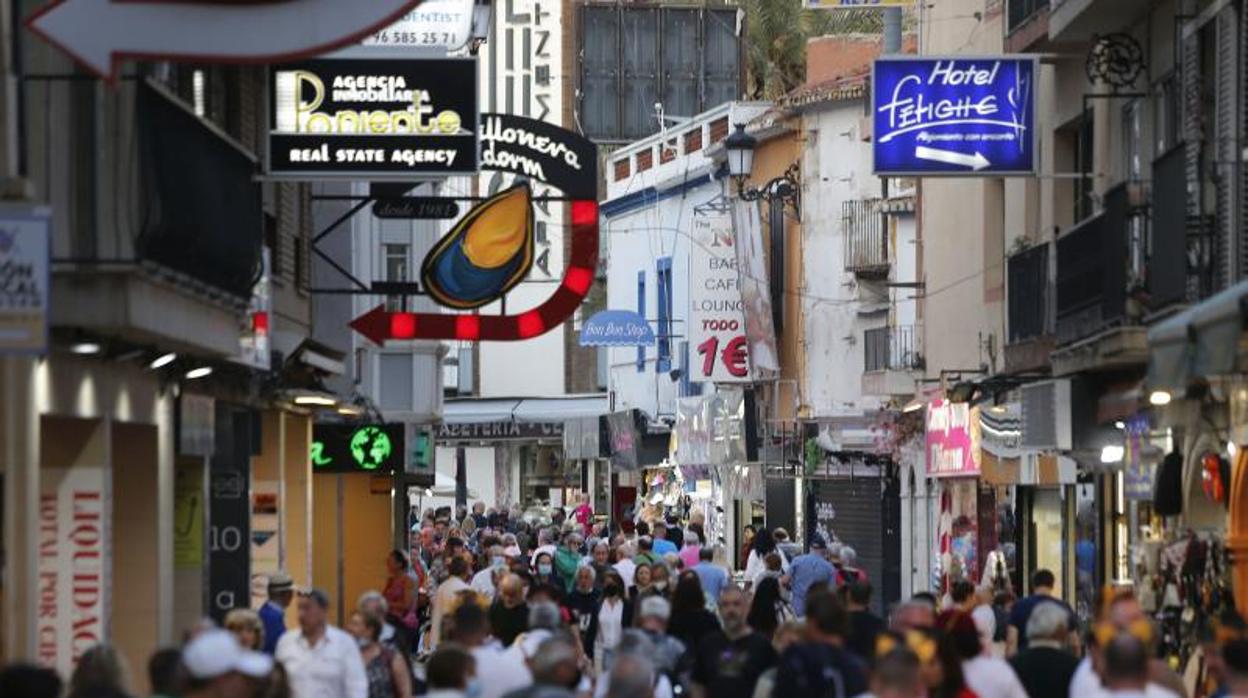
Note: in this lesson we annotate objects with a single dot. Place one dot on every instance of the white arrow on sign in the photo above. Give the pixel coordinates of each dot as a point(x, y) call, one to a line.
point(950, 157)
point(98, 33)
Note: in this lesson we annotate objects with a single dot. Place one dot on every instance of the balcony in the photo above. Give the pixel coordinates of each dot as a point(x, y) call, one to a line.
point(1027, 25)
point(1097, 328)
point(866, 238)
point(1030, 328)
point(891, 357)
point(1082, 20)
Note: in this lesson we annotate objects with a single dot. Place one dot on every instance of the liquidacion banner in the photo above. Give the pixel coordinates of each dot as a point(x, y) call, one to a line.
point(374, 118)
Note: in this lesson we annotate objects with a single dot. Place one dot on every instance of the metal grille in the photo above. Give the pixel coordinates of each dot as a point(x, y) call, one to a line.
point(1028, 279)
point(866, 241)
point(892, 348)
point(1226, 146)
point(1039, 405)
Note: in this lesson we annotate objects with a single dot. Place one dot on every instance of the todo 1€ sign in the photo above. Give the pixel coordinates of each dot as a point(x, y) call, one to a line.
point(941, 116)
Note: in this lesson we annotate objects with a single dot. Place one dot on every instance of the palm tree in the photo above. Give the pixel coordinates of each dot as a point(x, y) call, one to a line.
point(776, 36)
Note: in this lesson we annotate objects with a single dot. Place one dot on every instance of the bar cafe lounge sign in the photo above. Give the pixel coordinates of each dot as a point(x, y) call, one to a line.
point(369, 118)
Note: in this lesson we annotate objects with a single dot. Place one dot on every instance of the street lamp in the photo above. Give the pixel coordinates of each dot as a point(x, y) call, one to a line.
point(740, 148)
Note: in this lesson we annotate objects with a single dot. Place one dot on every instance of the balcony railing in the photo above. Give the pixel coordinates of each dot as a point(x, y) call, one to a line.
point(896, 348)
point(1022, 10)
point(1092, 261)
point(1029, 291)
point(866, 239)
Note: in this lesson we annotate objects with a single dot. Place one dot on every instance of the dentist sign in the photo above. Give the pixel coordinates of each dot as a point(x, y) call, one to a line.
point(942, 116)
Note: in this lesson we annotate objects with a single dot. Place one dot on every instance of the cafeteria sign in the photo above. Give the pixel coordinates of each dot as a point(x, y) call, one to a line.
point(357, 448)
point(372, 118)
point(954, 116)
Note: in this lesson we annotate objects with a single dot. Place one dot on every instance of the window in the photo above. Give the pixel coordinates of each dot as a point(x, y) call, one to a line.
point(663, 284)
point(1133, 140)
point(1165, 116)
point(395, 262)
point(641, 310)
point(395, 381)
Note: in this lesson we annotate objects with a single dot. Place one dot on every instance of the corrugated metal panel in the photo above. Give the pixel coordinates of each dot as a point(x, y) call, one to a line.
point(855, 510)
point(600, 76)
point(721, 58)
point(682, 61)
point(640, 64)
point(287, 230)
point(1226, 146)
point(1189, 69)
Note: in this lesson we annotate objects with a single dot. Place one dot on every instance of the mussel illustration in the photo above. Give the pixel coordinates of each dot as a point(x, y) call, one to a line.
point(486, 254)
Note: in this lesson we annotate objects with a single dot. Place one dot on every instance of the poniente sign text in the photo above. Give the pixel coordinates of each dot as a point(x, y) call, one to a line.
point(373, 118)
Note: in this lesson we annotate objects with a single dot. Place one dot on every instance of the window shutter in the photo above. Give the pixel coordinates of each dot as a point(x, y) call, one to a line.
point(1226, 149)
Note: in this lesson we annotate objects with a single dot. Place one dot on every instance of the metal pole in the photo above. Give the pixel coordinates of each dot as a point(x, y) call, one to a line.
point(892, 29)
point(461, 478)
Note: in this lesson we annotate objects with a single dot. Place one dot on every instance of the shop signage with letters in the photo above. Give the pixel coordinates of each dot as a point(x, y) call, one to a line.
point(482, 431)
point(415, 207)
point(74, 550)
point(940, 116)
point(366, 118)
point(952, 439)
point(436, 24)
point(616, 328)
point(24, 258)
point(716, 310)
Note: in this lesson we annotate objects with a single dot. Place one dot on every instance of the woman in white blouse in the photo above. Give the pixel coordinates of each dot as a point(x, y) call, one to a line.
point(756, 565)
point(614, 615)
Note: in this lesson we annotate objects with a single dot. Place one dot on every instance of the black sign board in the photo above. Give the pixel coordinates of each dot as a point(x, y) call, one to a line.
point(358, 448)
point(371, 118)
point(496, 431)
point(416, 207)
point(540, 151)
point(229, 513)
point(624, 440)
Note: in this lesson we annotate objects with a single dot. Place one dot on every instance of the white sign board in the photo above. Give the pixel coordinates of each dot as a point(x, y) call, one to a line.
point(73, 565)
point(716, 311)
point(99, 33)
point(25, 234)
point(444, 24)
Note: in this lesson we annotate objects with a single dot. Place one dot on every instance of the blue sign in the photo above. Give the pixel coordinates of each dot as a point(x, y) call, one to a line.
point(943, 116)
point(616, 328)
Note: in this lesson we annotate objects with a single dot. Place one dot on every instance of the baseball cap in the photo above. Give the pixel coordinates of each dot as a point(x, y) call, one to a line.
point(279, 582)
point(817, 542)
point(656, 607)
point(215, 653)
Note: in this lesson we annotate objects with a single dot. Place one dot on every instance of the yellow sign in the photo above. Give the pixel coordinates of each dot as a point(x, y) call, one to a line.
point(188, 516)
point(838, 4)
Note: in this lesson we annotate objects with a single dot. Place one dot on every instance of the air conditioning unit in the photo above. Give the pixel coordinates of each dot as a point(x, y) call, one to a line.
point(1046, 415)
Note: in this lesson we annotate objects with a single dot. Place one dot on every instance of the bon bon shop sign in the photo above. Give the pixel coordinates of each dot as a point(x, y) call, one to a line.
point(952, 439)
point(941, 116)
point(370, 118)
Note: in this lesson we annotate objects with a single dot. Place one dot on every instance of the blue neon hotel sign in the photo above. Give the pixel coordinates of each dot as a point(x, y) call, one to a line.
point(942, 116)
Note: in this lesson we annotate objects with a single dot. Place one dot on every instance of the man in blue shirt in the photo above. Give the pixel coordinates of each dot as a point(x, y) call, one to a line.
point(273, 612)
point(714, 578)
point(662, 546)
point(809, 569)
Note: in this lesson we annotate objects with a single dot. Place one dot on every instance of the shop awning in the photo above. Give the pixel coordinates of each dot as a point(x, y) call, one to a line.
point(523, 410)
point(1203, 340)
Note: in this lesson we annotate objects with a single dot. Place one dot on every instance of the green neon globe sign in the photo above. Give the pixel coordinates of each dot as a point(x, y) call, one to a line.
point(370, 448)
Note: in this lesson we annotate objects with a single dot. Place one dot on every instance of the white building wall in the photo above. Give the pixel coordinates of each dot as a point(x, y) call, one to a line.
point(837, 306)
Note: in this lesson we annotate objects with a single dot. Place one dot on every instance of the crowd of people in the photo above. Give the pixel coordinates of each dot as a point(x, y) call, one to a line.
point(486, 605)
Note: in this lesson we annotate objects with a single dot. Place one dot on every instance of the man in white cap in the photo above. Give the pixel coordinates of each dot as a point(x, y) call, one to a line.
point(273, 612)
point(321, 660)
point(218, 667)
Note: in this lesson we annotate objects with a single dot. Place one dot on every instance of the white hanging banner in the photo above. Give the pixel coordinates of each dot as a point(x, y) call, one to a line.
point(760, 330)
point(73, 565)
point(716, 311)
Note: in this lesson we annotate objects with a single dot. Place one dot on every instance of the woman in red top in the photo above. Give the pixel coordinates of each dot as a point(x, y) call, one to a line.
point(400, 591)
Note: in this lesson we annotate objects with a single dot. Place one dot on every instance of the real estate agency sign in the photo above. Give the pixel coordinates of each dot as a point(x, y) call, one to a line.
point(373, 118)
point(716, 310)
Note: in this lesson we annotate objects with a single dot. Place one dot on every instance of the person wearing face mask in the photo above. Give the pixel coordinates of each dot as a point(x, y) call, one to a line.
point(388, 676)
point(544, 566)
point(660, 584)
point(485, 582)
point(606, 626)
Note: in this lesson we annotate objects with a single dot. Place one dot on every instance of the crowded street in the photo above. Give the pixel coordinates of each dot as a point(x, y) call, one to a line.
point(616, 349)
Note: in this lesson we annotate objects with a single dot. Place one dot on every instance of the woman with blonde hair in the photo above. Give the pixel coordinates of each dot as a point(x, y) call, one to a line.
point(245, 624)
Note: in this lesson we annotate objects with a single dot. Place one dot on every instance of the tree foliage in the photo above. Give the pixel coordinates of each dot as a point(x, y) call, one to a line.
point(777, 31)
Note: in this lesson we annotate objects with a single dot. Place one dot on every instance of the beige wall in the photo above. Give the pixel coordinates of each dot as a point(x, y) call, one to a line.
point(963, 223)
point(360, 554)
point(771, 159)
point(135, 616)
